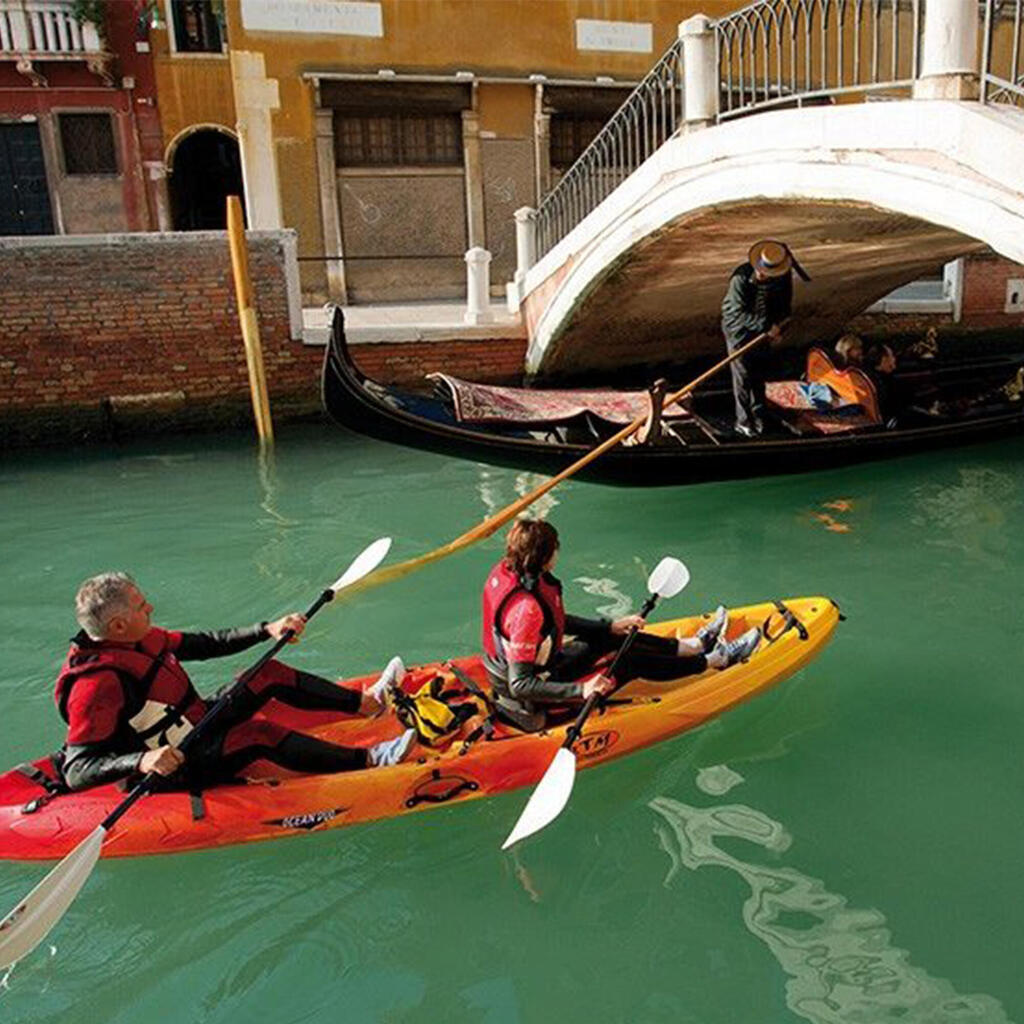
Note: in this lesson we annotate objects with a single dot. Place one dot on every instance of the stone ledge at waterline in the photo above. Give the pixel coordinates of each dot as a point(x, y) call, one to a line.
point(107, 336)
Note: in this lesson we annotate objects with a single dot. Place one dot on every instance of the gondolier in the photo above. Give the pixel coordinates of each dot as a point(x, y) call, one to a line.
point(758, 300)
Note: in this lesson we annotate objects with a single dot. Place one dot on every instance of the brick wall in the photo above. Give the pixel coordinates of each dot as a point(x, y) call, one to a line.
point(101, 335)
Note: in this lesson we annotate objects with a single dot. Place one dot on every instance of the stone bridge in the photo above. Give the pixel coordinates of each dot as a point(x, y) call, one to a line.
point(636, 243)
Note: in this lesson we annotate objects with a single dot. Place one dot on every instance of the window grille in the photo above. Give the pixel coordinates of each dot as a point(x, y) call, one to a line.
point(398, 140)
point(570, 136)
point(88, 143)
point(197, 26)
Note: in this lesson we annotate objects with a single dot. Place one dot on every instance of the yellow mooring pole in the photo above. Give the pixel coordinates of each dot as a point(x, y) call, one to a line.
point(249, 324)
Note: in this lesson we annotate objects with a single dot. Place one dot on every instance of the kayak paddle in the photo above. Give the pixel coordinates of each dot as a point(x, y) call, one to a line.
point(554, 789)
point(31, 920)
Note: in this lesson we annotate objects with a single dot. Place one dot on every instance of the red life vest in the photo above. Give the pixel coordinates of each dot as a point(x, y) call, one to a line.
point(501, 586)
point(161, 705)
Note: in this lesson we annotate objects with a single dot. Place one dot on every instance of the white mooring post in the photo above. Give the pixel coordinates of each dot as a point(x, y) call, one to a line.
point(700, 72)
point(949, 51)
point(478, 286)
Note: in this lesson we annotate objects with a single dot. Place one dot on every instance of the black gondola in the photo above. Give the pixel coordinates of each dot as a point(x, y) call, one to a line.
point(705, 450)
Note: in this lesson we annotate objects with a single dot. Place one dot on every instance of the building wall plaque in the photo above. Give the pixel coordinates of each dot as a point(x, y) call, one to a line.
point(617, 36)
point(330, 17)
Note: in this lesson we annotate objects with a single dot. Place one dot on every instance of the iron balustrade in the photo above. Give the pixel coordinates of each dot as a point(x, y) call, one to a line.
point(787, 52)
point(777, 53)
point(650, 115)
point(1002, 68)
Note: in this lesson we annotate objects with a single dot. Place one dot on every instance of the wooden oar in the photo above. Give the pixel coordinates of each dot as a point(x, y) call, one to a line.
point(555, 787)
point(33, 918)
point(499, 519)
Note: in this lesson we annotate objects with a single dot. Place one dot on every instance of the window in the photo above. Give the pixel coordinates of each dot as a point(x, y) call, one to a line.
point(198, 26)
point(396, 140)
point(570, 136)
point(88, 143)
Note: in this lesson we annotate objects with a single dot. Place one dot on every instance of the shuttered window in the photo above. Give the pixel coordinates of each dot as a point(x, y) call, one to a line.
point(570, 136)
point(398, 140)
point(87, 141)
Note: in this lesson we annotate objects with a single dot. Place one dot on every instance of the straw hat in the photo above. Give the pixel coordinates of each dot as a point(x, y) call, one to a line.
point(771, 258)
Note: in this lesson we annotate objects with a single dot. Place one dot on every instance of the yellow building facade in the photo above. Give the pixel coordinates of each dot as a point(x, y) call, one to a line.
point(393, 135)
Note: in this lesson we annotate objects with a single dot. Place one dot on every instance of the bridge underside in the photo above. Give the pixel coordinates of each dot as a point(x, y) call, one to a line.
point(661, 303)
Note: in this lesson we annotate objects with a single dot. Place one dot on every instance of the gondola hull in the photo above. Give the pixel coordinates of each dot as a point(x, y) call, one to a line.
point(383, 412)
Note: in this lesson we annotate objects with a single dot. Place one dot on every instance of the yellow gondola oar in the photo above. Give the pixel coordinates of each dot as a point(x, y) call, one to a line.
point(495, 522)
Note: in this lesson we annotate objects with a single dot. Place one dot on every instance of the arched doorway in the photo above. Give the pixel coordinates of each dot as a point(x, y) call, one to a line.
point(205, 169)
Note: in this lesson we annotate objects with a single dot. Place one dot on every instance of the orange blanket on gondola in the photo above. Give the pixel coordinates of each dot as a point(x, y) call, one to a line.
point(485, 403)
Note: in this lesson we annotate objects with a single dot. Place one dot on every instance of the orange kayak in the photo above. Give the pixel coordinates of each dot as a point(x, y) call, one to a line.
point(37, 826)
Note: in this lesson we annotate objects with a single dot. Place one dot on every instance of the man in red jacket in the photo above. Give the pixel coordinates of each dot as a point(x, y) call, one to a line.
point(128, 702)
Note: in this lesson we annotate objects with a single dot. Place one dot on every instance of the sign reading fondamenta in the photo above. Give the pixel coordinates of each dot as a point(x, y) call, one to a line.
point(329, 17)
point(619, 36)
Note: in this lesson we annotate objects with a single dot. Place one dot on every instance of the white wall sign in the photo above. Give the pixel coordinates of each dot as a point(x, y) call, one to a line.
point(620, 36)
point(327, 17)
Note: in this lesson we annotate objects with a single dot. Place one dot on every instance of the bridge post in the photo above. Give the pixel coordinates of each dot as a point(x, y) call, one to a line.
point(949, 52)
point(526, 240)
point(700, 72)
point(478, 286)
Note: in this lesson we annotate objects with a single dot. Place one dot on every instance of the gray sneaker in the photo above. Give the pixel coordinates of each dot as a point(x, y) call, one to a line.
point(709, 633)
point(729, 652)
point(389, 752)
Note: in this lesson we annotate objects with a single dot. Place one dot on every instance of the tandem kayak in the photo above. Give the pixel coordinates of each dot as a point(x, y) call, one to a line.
point(37, 825)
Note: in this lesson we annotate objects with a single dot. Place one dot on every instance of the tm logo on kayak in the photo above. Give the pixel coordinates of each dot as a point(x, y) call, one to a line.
point(596, 743)
point(308, 822)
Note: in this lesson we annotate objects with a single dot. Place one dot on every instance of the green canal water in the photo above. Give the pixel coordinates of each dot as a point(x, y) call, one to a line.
point(848, 847)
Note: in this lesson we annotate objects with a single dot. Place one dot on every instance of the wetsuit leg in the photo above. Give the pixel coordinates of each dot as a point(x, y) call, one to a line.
point(649, 656)
point(298, 689)
point(229, 753)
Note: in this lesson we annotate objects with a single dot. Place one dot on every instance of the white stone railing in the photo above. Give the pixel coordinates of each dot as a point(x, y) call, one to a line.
point(45, 29)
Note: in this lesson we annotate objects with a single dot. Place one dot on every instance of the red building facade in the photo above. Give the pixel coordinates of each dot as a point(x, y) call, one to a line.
point(80, 140)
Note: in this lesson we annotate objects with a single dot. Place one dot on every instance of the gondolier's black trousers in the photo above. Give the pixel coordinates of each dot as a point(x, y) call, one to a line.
point(748, 376)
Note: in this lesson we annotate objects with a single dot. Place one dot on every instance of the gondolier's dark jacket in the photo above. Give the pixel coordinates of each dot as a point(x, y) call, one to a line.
point(751, 307)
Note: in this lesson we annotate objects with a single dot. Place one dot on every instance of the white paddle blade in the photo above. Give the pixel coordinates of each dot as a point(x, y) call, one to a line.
point(548, 799)
point(31, 920)
point(668, 578)
point(364, 563)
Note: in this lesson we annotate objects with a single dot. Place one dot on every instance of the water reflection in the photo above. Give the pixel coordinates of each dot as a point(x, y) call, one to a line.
point(970, 515)
point(493, 490)
point(618, 603)
point(840, 960)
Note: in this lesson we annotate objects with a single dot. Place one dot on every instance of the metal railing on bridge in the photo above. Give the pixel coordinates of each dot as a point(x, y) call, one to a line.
point(651, 114)
point(793, 52)
point(773, 54)
point(1002, 64)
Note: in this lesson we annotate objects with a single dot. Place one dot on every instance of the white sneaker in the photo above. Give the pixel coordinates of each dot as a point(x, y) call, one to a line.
point(389, 752)
point(728, 652)
point(393, 674)
point(709, 633)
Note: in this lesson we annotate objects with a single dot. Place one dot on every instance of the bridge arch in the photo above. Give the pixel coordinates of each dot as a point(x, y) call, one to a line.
point(868, 195)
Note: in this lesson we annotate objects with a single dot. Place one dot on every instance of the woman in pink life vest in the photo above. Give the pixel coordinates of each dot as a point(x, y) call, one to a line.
point(128, 702)
point(531, 665)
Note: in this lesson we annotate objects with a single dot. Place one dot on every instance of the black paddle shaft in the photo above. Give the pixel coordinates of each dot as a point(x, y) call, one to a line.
point(574, 730)
point(212, 716)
